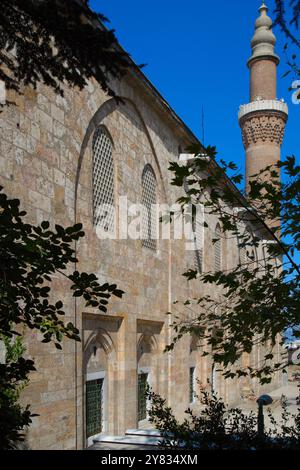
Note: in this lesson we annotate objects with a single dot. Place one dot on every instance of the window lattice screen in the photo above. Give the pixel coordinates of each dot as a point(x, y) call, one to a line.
point(149, 223)
point(243, 248)
point(103, 180)
point(218, 249)
point(198, 252)
point(243, 256)
point(94, 404)
point(252, 259)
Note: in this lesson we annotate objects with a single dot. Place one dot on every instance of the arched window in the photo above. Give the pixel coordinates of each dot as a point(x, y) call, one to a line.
point(149, 223)
point(103, 181)
point(218, 249)
point(265, 254)
point(247, 249)
point(242, 244)
point(243, 256)
point(198, 231)
point(252, 258)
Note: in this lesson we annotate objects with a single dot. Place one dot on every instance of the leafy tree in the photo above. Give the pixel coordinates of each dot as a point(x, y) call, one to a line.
point(13, 417)
point(217, 427)
point(56, 41)
point(258, 299)
point(29, 257)
point(287, 18)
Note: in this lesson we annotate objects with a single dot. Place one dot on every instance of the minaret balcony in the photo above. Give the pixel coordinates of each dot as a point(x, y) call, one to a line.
point(261, 106)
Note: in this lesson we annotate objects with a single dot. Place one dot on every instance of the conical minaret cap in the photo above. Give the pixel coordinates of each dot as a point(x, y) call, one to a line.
point(263, 41)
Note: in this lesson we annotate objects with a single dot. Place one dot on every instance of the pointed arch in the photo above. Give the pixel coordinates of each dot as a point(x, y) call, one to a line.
point(104, 110)
point(103, 176)
point(99, 338)
point(146, 344)
point(149, 201)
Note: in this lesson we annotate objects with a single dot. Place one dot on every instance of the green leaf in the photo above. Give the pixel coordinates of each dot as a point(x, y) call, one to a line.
point(45, 225)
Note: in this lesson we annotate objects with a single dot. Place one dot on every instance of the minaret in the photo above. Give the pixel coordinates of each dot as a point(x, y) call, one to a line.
point(263, 119)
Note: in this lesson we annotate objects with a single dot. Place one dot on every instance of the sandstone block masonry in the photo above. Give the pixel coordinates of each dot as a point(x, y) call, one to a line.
point(46, 160)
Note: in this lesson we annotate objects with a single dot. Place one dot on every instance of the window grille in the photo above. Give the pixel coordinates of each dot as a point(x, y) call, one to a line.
point(218, 249)
point(192, 383)
point(198, 252)
point(103, 181)
point(198, 261)
point(142, 399)
point(149, 223)
point(243, 256)
point(252, 258)
point(244, 249)
point(94, 407)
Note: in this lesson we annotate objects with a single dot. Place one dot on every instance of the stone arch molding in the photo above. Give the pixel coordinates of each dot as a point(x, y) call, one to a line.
point(100, 339)
point(149, 340)
point(105, 109)
point(147, 343)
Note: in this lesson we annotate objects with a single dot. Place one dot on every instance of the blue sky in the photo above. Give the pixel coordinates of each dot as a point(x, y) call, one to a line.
point(196, 53)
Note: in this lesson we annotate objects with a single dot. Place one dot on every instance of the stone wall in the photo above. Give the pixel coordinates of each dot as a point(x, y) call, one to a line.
point(46, 161)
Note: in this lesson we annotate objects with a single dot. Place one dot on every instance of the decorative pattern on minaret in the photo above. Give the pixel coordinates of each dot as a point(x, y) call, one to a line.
point(260, 128)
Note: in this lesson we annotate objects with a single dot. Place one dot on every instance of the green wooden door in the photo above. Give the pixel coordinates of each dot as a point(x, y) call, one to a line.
point(94, 407)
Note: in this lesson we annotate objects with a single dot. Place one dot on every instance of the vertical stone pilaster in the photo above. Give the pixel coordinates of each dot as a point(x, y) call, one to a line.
point(128, 370)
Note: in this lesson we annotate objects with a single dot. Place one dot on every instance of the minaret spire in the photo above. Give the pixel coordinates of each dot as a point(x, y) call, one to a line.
point(263, 119)
point(263, 41)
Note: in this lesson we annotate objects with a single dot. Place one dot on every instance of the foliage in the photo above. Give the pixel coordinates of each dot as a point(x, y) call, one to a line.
point(56, 41)
point(288, 21)
point(217, 427)
point(29, 258)
point(13, 349)
point(12, 417)
point(259, 298)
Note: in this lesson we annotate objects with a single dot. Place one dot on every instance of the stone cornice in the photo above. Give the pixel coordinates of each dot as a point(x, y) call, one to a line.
point(263, 105)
